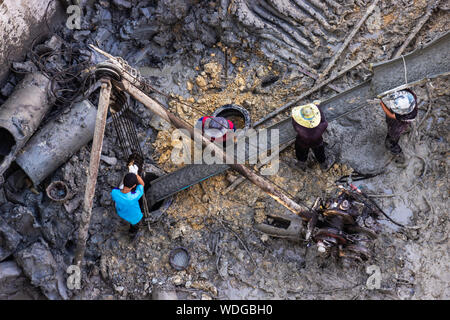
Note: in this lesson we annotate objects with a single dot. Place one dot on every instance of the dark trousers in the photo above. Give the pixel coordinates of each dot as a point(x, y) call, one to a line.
point(395, 128)
point(301, 151)
point(135, 227)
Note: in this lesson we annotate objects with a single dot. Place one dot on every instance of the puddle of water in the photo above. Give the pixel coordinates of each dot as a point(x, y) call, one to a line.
point(372, 187)
point(401, 214)
point(241, 293)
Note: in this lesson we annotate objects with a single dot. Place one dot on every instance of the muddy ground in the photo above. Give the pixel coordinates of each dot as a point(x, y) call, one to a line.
point(183, 53)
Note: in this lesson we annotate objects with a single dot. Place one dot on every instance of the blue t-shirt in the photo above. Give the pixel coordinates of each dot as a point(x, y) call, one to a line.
point(127, 204)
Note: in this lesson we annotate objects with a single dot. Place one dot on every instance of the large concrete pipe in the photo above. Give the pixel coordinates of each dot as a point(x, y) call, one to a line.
point(21, 115)
point(57, 141)
point(20, 23)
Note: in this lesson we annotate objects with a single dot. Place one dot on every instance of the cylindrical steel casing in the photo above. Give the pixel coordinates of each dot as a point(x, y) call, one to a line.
point(57, 141)
point(24, 110)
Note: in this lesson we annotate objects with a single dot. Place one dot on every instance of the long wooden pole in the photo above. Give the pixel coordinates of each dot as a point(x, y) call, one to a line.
point(96, 151)
point(416, 29)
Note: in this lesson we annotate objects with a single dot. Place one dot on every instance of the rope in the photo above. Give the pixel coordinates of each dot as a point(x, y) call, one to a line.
point(404, 68)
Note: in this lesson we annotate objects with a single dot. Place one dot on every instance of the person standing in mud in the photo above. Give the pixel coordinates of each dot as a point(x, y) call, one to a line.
point(127, 200)
point(401, 110)
point(309, 122)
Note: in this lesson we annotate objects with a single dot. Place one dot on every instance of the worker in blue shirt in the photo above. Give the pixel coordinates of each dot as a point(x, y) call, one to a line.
point(127, 200)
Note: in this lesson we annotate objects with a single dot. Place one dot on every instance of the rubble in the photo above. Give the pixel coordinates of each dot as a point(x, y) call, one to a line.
point(39, 265)
point(10, 240)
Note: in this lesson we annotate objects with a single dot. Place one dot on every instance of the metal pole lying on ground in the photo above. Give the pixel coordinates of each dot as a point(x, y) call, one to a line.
point(96, 151)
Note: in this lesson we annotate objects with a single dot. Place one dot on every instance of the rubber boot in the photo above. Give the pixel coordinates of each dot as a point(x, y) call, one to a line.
point(301, 165)
point(329, 161)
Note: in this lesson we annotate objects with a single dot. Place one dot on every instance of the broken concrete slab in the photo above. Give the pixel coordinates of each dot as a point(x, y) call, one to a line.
point(57, 225)
point(112, 161)
point(9, 240)
point(122, 4)
point(14, 285)
point(40, 267)
point(8, 271)
point(23, 221)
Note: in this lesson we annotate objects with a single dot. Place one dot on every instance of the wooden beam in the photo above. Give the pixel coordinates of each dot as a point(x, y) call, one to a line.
point(96, 151)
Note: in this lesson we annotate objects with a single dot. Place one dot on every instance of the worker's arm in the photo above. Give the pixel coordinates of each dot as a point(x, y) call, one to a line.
point(386, 110)
point(140, 181)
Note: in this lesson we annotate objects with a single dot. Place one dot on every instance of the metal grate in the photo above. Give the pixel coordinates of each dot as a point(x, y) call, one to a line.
point(127, 135)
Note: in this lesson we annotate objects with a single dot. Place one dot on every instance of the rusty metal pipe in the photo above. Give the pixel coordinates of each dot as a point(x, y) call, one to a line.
point(57, 141)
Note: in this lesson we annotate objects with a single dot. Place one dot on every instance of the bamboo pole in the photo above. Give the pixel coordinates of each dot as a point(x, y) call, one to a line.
point(96, 151)
point(347, 40)
point(307, 93)
point(416, 29)
point(241, 179)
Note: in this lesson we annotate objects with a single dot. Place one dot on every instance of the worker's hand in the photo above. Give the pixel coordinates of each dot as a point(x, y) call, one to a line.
point(133, 169)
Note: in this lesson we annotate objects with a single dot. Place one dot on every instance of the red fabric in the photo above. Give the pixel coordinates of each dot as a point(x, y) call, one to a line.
point(203, 121)
point(231, 124)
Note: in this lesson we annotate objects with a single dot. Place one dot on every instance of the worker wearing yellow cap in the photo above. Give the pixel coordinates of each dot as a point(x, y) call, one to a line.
point(309, 122)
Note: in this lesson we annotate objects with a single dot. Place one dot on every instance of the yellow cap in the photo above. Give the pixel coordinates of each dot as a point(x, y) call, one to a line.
point(307, 116)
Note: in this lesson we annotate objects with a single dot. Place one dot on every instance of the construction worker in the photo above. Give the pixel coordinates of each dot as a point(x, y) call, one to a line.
point(309, 122)
point(127, 200)
point(400, 109)
point(215, 128)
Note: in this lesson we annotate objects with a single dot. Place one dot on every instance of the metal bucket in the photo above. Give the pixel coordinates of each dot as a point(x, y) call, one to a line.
point(179, 258)
point(236, 113)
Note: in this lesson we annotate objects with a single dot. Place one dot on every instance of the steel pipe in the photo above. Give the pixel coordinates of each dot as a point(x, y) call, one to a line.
point(57, 141)
point(21, 115)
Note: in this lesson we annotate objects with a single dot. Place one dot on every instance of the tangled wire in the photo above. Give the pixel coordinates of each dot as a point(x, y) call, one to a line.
point(68, 69)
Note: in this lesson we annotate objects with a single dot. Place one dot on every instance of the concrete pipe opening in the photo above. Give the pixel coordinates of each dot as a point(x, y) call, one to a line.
point(236, 114)
point(156, 209)
point(21, 115)
point(7, 143)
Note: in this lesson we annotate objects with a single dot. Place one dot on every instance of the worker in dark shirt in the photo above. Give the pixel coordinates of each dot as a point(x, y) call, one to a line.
point(309, 122)
point(401, 110)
